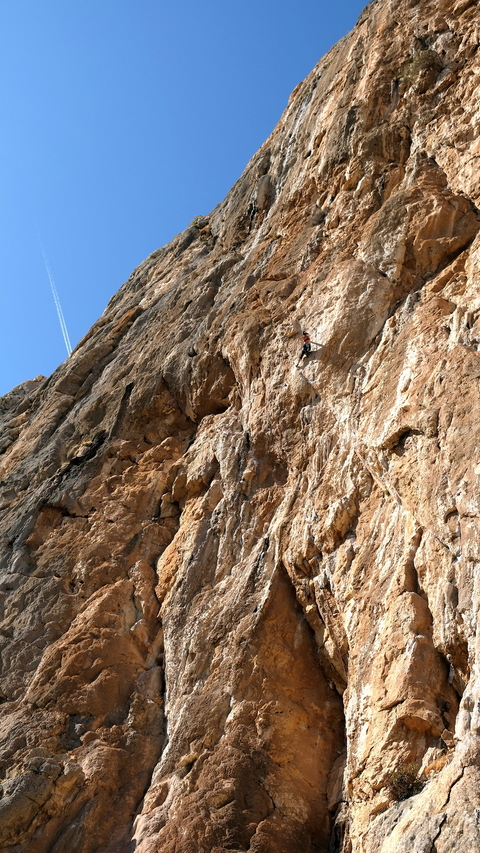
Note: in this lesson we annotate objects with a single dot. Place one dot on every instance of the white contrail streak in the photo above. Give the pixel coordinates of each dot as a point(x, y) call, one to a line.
point(61, 318)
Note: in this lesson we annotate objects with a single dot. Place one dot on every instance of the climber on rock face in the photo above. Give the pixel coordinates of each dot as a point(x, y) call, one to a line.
point(307, 346)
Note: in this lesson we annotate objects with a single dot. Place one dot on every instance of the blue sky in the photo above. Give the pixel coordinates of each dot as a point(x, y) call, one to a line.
point(121, 121)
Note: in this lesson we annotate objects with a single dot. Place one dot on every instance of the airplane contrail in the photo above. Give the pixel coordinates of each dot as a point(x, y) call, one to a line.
point(61, 318)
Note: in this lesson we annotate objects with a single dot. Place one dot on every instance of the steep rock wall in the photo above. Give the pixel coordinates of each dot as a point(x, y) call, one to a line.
point(240, 597)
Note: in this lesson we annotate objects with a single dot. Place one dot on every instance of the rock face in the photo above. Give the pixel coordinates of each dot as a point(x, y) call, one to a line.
point(240, 597)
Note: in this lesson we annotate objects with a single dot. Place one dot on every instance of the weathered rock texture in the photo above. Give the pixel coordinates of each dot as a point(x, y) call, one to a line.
point(240, 597)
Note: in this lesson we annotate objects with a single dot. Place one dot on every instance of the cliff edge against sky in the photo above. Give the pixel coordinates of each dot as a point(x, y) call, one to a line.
point(240, 597)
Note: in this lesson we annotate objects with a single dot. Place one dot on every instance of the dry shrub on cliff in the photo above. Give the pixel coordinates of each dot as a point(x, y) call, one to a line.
point(404, 782)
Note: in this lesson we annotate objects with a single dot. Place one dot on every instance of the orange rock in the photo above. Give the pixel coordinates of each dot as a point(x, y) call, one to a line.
point(238, 596)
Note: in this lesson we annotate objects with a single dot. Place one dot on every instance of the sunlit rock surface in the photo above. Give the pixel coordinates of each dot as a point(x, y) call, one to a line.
point(240, 596)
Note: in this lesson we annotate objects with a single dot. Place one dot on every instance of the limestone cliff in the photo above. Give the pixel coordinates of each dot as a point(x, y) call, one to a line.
point(240, 596)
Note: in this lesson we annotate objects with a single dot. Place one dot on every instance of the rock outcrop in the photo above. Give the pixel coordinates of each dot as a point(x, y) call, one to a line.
point(240, 596)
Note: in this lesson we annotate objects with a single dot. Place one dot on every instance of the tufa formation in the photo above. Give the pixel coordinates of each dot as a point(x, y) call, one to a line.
point(239, 597)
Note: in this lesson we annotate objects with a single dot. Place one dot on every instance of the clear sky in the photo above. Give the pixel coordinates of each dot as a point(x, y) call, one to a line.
point(121, 121)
